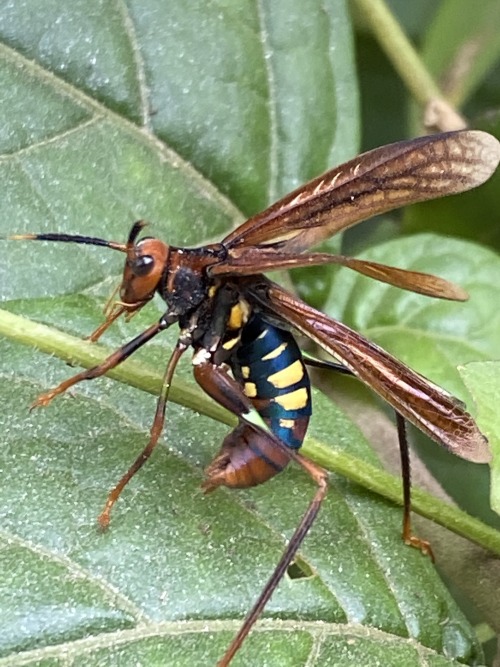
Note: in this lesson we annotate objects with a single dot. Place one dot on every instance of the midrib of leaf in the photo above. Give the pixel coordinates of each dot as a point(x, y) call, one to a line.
point(138, 375)
point(74, 350)
point(147, 138)
point(319, 631)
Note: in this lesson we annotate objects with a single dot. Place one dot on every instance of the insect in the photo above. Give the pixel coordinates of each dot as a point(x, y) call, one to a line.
point(239, 324)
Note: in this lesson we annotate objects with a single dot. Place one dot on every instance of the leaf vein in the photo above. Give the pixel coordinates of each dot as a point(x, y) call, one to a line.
point(111, 593)
point(142, 83)
point(271, 103)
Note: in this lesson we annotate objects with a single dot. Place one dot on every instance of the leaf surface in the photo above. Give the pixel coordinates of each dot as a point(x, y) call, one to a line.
point(186, 116)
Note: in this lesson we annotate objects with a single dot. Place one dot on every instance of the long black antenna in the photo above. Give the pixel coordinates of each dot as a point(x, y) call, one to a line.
point(68, 238)
point(137, 227)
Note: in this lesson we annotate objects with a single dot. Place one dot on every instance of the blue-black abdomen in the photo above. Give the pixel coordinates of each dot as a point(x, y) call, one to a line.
point(269, 365)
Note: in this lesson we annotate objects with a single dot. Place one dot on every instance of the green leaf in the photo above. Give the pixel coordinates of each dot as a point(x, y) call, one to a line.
point(482, 380)
point(184, 114)
point(206, 556)
point(431, 335)
point(461, 45)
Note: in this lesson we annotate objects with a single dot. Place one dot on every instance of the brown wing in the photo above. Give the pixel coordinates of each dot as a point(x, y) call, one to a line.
point(251, 261)
point(427, 406)
point(370, 184)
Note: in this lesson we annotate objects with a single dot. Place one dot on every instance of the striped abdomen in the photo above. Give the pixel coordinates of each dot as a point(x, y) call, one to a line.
point(269, 366)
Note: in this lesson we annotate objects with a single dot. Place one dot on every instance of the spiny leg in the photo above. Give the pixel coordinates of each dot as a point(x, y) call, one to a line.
point(108, 364)
point(155, 432)
point(320, 477)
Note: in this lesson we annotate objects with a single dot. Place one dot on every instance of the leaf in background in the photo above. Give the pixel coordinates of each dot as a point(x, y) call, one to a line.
point(431, 335)
point(482, 380)
point(461, 45)
point(183, 115)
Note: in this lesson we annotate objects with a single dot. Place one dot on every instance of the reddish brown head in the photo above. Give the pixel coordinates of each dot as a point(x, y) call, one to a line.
point(178, 274)
point(144, 267)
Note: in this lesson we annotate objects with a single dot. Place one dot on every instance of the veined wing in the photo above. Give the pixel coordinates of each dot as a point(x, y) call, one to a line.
point(435, 412)
point(372, 183)
point(251, 261)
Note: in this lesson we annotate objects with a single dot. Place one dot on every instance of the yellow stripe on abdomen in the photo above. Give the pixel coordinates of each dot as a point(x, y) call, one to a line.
point(250, 389)
point(295, 400)
point(288, 376)
point(275, 353)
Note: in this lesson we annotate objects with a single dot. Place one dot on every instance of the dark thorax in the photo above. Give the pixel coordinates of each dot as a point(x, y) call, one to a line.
point(185, 283)
point(212, 310)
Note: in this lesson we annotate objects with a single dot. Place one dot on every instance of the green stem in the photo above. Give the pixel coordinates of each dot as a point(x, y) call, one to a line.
point(77, 351)
point(389, 486)
point(404, 58)
point(74, 350)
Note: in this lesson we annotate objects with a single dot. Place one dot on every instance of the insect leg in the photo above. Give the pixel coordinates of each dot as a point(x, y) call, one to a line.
point(112, 314)
point(407, 533)
point(408, 536)
point(155, 432)
point(250, 453)
point(320, 477)
point(108, 364)
point(220, 386)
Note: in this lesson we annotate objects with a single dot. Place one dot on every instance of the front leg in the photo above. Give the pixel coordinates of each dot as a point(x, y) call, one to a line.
point(154, 435)
point(114, 360)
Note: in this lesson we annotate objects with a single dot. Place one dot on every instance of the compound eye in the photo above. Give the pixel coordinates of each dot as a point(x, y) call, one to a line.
point(143, 265)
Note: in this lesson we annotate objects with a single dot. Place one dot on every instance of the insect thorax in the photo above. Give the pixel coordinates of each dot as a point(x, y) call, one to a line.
point(185, 285)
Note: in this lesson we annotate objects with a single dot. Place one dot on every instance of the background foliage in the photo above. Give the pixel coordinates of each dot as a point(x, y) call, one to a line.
point(194, 115)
